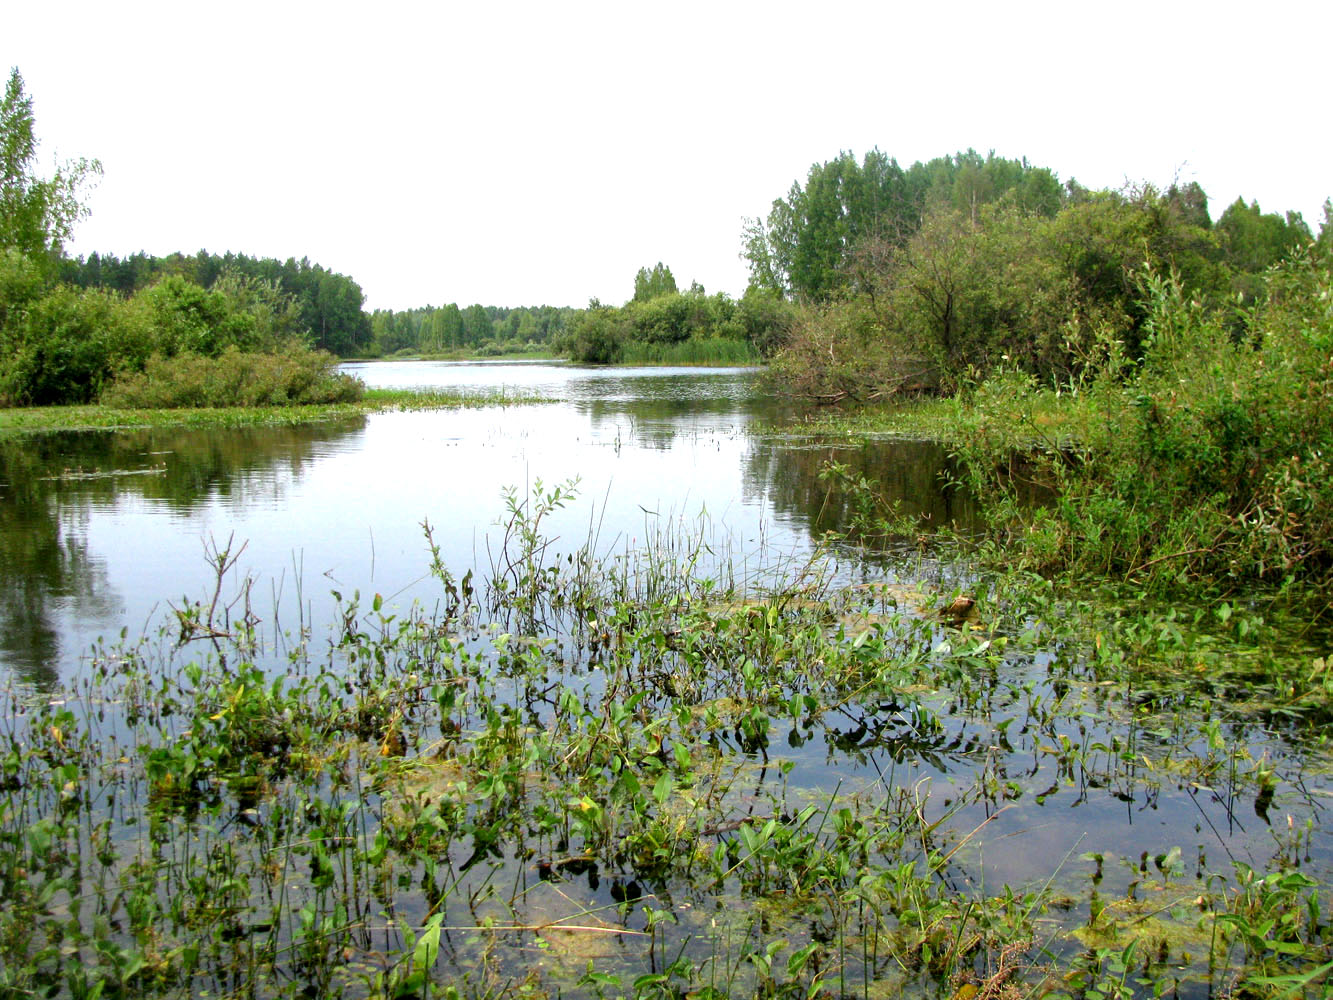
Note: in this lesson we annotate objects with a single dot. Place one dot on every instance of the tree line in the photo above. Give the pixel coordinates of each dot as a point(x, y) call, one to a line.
point(914, 279)
point(659, 323)
point(329, 305)
point(476, 330)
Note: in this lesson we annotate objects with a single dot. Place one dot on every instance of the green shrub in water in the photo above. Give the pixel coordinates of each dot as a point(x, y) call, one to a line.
point(1212, 457)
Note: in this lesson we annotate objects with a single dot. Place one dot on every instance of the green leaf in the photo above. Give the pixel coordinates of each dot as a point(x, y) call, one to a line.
point(663, 788)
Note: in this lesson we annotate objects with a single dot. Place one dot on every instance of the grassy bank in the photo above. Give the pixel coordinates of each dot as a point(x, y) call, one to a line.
point(34, 419)
point(1201, 465)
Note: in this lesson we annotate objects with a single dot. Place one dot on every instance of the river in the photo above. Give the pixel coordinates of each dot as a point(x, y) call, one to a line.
point(108, 531)
point(846, 770)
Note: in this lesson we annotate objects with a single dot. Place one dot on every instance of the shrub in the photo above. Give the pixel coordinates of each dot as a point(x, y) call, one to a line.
point(1212, 461)
point(235, 378)
point(66, 344)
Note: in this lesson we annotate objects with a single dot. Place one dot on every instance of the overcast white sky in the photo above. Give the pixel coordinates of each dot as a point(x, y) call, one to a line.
point(529, 153)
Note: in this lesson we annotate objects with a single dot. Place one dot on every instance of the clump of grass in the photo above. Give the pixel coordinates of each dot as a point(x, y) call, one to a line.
point(692, 351)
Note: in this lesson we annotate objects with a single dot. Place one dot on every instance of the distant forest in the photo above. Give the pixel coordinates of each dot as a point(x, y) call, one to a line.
point(866, 279)
point(919, 244)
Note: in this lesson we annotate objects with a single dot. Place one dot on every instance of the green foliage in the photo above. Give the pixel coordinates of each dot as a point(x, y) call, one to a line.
point(297, 375)
point(441, 331)
point(679, 328)
point(1254, 240)
point(596, 336)
point(804, 247)
point(842, 351)
point(187, 319)
point(1212, 460)
point(65, 345)
point(37, 215)
point(477, 326)
point(301, 297)
point(999, 285)
point(695, 351)
point(652, 284)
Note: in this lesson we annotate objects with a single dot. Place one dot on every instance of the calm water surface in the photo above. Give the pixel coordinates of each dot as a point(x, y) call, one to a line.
point(108, 530)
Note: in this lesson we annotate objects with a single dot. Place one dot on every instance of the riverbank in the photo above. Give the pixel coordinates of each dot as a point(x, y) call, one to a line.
point(38, 419)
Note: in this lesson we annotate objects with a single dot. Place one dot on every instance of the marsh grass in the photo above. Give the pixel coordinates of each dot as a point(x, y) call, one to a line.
point(39, 419)
point(641, 774)
point(692, 351)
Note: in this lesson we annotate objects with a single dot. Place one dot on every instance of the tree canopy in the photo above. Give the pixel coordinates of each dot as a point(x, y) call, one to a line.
point(37, 215)
point(921, 278)
point(804, 246)
point(653, 284)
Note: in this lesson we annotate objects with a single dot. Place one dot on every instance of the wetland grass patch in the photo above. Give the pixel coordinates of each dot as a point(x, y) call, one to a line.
point(633, 775)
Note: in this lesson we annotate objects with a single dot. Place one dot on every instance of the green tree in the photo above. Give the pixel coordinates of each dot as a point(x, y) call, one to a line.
point(1325, 239)
point(449, 326)
point(653, 284)
point(336, 319)
point(597, 335)
point(37, 215)
point(1254, 241)
point(805, 245)
point(477, 326)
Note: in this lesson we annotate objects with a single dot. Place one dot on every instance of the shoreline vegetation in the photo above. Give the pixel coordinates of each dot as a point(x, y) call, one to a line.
point(643, 774)
point(588, 777)
point(41, 419)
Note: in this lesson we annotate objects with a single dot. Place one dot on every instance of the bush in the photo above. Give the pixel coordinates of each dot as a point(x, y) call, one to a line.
point(844, 352)
point(65, 345)
point(597, 336)
point(235, 378)
point(1212, 462)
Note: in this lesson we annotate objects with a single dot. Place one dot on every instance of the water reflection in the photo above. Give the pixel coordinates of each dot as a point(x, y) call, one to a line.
point(99, 530)
point(910, 473)
point(57, 583)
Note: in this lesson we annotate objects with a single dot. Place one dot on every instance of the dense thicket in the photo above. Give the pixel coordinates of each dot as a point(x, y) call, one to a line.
point(197, 331)
point(919, 279)
point(1206, 458)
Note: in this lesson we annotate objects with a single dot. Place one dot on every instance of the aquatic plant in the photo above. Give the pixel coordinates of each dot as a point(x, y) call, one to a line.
point(616, 774)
